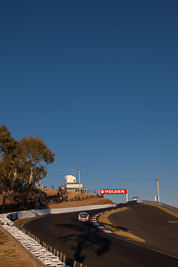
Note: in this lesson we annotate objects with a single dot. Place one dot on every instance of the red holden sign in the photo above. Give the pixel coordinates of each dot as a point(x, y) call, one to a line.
point(112, 191)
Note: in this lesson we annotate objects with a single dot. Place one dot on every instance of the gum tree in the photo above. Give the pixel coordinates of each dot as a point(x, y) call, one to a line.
point(37, 156)
point(22, 163)
point(10, 164)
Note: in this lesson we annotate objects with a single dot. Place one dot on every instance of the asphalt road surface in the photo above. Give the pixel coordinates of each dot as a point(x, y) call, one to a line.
point(83, 242)
point(158, 228)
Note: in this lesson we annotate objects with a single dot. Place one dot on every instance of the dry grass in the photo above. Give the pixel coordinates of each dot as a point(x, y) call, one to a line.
point(10, 254)
point(86, 199)
point(103, 219)
point(173, 213)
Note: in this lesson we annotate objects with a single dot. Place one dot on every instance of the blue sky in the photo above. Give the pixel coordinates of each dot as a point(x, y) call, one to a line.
point(97, 81)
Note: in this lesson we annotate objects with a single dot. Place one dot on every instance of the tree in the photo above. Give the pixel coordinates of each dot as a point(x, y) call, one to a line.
point(37, 155)
point(10, 163)
point(22, 163)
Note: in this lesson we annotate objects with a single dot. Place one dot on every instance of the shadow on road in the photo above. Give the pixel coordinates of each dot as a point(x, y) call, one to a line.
point(85, 239)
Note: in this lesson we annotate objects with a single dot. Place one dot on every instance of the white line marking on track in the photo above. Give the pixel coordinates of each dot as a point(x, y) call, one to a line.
point(129, 241)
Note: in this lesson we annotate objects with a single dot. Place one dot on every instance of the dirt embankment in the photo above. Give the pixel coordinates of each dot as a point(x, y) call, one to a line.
point(51, 198)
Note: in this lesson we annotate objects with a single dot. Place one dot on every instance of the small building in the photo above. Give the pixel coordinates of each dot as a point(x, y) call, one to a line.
point(134, 198)
point(73, 186)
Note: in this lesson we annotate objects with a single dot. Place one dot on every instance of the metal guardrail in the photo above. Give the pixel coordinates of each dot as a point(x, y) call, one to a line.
point(170, 207)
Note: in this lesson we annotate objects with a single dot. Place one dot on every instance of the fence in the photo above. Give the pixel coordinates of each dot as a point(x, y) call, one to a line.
point(170, 207)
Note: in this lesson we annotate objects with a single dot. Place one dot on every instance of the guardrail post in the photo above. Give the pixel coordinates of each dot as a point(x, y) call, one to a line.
point(60, 256)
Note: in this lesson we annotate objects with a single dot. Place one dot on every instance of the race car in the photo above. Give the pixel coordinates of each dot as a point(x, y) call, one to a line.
point(113, 205)
point(83, 216)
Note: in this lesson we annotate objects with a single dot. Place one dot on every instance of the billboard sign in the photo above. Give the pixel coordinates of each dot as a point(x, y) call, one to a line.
point(112, 191)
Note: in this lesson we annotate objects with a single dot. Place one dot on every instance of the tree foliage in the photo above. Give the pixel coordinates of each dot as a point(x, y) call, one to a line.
point(22, 163)
point(37, 155)
point(9, 162)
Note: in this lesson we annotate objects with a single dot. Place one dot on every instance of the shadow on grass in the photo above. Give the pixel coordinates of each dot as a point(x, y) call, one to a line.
point(114, 228)
point(30, 204)
point(122, 231)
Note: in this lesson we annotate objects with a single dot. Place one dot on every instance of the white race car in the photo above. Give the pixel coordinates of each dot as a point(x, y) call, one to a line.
point(83, 216)
point(113, 205)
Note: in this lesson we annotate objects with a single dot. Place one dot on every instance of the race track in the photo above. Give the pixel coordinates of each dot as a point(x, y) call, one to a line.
point(85, 243)
point(158, 228)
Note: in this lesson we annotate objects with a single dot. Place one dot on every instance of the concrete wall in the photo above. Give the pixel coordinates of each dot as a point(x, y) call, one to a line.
point(33, 213)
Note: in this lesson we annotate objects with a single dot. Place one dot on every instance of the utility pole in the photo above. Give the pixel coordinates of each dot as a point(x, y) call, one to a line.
point(158, 189)
point(79, 177)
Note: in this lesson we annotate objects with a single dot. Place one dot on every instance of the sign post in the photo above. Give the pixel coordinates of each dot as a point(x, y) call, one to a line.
point(127, 197)
point(114, 191)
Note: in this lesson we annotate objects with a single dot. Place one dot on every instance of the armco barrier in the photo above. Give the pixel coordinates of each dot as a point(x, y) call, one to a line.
point(170, 207)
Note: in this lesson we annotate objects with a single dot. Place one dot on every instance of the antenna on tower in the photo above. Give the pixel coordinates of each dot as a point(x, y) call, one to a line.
point(70, 172)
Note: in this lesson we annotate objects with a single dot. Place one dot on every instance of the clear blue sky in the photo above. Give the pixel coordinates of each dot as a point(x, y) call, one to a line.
point(98, 82)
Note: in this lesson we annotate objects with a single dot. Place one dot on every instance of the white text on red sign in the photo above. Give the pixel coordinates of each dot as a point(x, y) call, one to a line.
point(112, 191)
